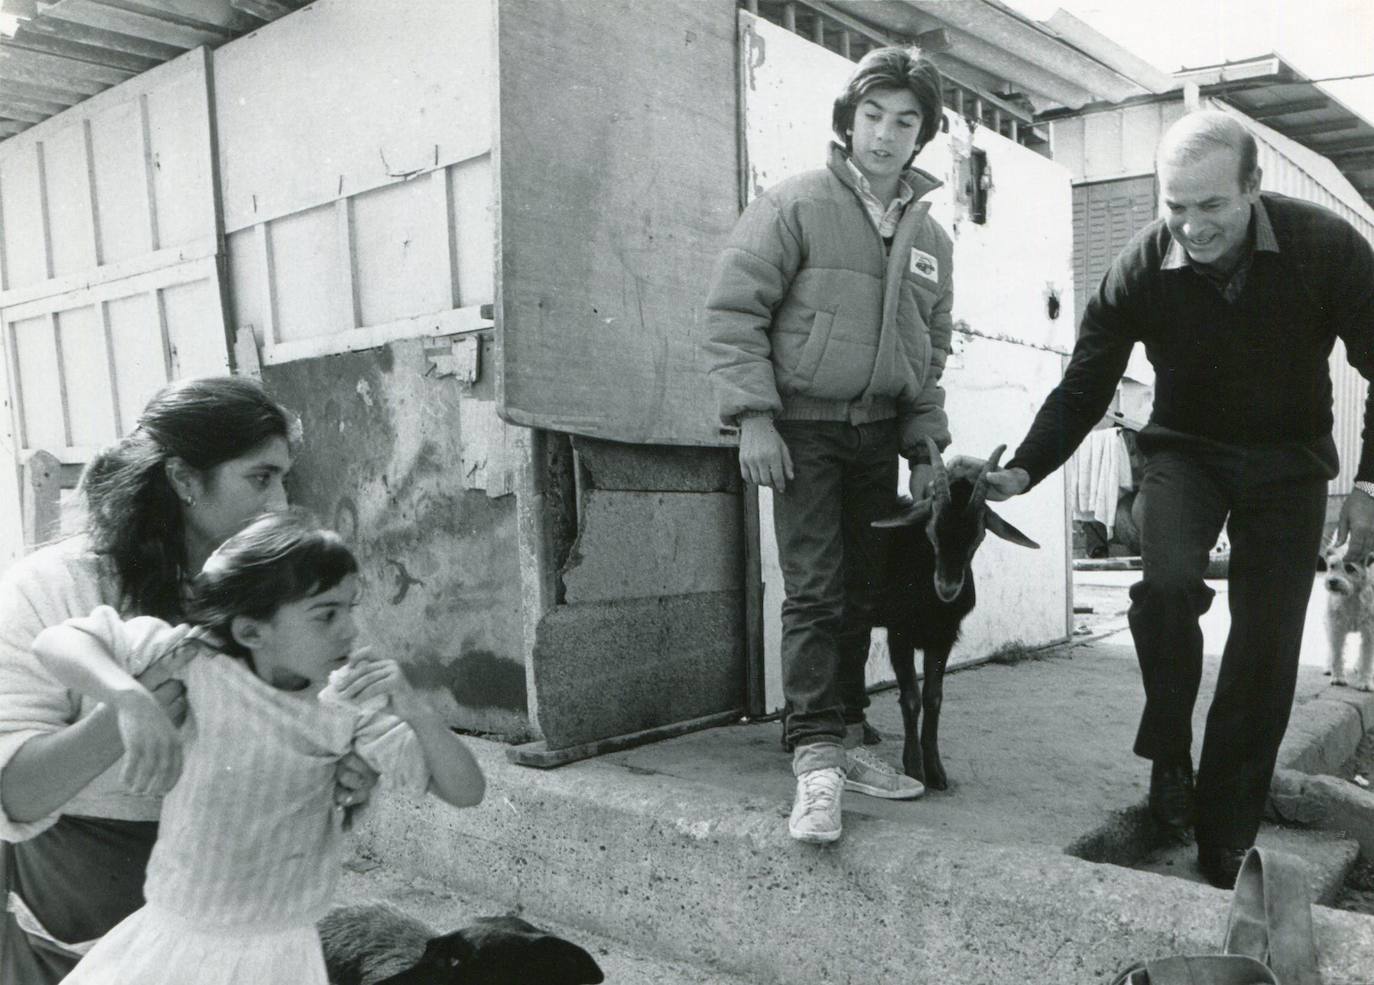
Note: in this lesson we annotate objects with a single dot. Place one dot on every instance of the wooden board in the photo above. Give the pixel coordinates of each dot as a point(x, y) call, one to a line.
point(357, 175)
point(109, 280)
point(617, 188)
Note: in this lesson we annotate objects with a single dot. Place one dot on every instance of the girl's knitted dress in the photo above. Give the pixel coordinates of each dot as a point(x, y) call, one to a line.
point(248, 851)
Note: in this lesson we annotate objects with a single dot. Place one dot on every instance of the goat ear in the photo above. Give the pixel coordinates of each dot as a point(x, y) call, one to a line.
point(917, 513)
point(996, 525)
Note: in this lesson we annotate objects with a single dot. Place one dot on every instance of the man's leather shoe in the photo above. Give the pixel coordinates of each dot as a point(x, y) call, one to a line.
point(1219, 865)
point(1171, 797)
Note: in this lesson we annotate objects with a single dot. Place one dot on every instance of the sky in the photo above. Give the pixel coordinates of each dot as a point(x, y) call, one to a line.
point(1320, 38)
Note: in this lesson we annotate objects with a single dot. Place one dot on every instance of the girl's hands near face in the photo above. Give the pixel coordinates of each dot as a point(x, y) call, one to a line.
point(152, 746)
point(369, 677)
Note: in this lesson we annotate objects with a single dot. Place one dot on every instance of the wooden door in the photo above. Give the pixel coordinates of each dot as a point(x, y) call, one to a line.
point(110, 257)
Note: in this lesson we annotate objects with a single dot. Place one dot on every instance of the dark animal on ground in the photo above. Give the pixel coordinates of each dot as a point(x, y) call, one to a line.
point(377, 944)
point(927, 590)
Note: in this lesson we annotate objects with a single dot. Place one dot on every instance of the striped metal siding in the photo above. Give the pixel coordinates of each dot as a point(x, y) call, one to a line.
point(1106, 214)
point(1349, 389)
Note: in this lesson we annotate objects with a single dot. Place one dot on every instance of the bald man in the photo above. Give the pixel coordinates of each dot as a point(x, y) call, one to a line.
point(1238, 296)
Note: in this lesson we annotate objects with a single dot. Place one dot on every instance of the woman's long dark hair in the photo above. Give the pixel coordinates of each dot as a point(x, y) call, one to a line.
point(133, 514)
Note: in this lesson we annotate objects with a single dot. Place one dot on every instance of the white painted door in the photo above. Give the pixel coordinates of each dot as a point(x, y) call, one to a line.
point(1008, 350)
point(109, 269)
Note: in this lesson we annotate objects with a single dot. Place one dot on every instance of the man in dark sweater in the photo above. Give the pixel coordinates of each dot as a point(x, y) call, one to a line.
point(1238, 297)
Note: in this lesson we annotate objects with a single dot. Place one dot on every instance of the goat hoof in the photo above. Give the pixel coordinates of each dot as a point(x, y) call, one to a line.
point(935, 777)
point(871, 735)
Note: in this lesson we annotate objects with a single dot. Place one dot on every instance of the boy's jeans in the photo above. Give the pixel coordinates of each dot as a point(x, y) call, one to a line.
point(845, 476)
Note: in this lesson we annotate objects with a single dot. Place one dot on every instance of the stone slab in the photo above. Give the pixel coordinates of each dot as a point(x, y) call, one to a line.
point(634, 545)
point(610, 668)
point(1328, 802)
point(651, 468)
point(1328, 857)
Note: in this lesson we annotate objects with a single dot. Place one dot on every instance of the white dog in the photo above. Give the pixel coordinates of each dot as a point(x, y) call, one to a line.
point(1350, 609)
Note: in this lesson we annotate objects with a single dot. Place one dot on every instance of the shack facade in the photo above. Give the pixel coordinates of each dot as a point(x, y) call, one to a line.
point(467, 242)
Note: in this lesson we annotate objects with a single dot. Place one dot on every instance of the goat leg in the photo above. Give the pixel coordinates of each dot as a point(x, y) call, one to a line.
point(901, 649)
point(935, 659)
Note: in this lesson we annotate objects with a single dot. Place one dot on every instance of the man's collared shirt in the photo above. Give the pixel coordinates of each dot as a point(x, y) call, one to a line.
point(1261, 240)
point(885, 217)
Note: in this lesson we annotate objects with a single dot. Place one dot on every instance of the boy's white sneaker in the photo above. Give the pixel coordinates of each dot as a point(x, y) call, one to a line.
point(868, 774)
point(816, 809)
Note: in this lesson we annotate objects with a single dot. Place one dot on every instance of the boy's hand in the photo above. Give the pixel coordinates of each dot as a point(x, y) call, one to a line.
point(152, 747)
point(763, 456)
point(372, 677)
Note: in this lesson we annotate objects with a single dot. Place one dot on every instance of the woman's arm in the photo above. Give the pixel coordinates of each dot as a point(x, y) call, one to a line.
point(52, 768)
point(150, 741)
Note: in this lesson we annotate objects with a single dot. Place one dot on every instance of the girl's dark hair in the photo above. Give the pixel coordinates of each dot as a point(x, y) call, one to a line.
point(278, 558)
point(133, 513)
point(892, 68)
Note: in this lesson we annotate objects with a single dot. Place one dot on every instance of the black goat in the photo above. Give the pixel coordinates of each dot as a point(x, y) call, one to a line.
point(927, 590)
point(377, 944)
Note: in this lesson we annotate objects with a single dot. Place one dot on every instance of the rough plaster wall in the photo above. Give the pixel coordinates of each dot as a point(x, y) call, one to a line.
point(416, 471)
point(653, 629)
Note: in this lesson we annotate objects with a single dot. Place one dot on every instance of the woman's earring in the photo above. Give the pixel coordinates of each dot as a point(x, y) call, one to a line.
point(189, 501)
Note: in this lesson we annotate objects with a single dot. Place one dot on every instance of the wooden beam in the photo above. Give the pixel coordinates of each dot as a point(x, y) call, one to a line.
point(931, 41)
point(8, 128)
point(79, 51)
point(263, 10)
point(1284, 109)
point(1341, 148)
point(159, 28)
point(1309, 129)
point(11, 110)
point(32, 105)
point(1357, 162)
point(12, 69)
point(61, 67)
point(176, 12)
point(101, 38)
point(41, 94)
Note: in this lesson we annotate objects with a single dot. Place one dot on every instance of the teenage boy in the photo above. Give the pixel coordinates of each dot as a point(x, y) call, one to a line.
point(829, 325)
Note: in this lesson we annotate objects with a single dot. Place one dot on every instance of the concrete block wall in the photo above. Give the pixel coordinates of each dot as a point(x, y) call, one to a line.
point(651, 626)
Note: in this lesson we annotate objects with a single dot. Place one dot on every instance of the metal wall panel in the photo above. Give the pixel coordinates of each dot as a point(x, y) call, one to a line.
point(109, 267)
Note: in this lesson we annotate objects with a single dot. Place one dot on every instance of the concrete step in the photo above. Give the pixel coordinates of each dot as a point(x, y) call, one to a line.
point(365, 878)
point(1328, 856)
point(707, 877)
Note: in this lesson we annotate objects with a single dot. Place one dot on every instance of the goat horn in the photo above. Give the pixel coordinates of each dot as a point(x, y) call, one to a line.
point(939, 483)
point(980, 485)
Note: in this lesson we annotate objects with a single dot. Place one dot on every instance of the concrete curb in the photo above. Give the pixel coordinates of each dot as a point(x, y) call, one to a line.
point(1325, 802)
point(1322, 735)
point(699, 875)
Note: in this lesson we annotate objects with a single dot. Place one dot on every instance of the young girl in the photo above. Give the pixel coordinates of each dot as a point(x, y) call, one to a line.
point(248, 851)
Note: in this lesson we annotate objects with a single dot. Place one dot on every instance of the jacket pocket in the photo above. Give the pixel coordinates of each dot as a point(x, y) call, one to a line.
point(814, 350)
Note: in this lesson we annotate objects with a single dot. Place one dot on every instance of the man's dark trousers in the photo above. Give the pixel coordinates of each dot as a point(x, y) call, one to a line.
point(1275, 496)
point(845, 476)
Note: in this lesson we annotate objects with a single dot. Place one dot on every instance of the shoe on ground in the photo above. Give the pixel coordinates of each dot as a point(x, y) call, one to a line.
point(816, 809)
point(1171, 797)
point(867, 774)
point(1220, 865)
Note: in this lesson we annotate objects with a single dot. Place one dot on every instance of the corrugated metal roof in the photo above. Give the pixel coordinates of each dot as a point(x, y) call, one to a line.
point(63, 51)
point(1282, 98)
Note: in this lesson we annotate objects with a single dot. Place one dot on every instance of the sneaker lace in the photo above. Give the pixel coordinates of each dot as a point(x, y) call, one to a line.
point(819, 789)
point(868, 758)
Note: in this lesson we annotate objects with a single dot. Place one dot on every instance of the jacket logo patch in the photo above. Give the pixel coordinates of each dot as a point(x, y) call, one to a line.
point(924, 264)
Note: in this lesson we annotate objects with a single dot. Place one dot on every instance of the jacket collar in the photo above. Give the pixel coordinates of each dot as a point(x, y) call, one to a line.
point(922, 182)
